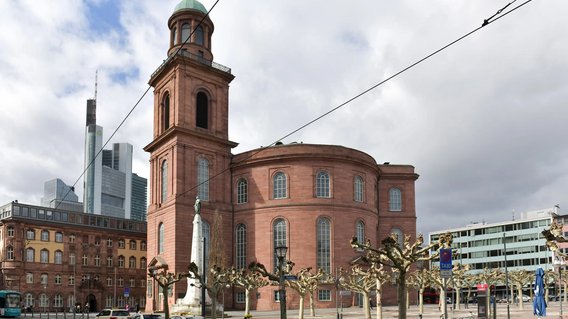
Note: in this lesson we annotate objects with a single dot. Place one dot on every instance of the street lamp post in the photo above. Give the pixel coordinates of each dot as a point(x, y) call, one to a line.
point(281, 255)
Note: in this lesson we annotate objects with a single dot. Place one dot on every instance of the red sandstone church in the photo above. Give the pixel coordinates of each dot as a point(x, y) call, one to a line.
point(311, 198)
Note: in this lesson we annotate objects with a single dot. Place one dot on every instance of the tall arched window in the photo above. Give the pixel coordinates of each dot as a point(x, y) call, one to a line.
point(241, 246)
point(164, 180)
point(174, 36)
point(199, 35)
point(279, 237)
point(279, 186)
point(202, 110)
point(203, 178)
point(395, 200)
point(322, 184)
point(185, 32)
point(360, 231)
point(242, 191)
point(324, 244)
point(166, 112)
point(358, 189)
point(161, 238)
point(399, 236)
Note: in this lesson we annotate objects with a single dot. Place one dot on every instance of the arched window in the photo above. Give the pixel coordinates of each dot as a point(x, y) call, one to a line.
point(143, 263)
point(45, 235)
point(360, 231)
point(241, 246)
point(164, 180)
point(132, 262)
point(58, 301)
point(399, 236)
point(242, 191)
point(161, 238)
point(120, 261)
point(322, 184)
point(395, 200)
point(279, 237)
point(29, 300)
point(199, 35)
point(58, 257)
point(166, 112)
point(174, 35)
point(202, 111)
point(358, 189)
point(30, 255)
point(324, 244)
point(185, 32)
point(10, 253)
point(279, 186)
point(203, 178)
point(44, 256)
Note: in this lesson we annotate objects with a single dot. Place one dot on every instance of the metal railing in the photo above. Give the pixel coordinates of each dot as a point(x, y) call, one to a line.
point(193, 57)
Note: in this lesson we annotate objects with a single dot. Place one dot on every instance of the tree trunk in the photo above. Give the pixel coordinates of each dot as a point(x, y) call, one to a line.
point(301, 308)
point(247, 301)
point(458, 299)
point(401, 292)
point(563, 290)
point(378, 301)
point(213, 307)
point(407, 299)
point(520, 296)
point(421, 300)
point(165, 300)
point(312, 305)
point(366, 305)
point(442, 300)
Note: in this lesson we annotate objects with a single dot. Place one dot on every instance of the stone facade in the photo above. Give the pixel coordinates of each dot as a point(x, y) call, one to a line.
point(311, 198)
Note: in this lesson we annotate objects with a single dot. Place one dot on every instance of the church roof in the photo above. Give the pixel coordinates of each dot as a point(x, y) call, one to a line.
point(190, 4)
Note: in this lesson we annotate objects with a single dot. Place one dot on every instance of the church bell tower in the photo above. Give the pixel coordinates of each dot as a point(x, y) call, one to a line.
point(190, 153)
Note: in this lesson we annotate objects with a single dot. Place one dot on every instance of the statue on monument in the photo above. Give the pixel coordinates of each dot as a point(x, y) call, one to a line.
point(197, 205)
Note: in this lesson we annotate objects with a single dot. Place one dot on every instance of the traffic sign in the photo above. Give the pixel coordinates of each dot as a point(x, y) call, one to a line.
point(444, 273)
point(290, 277)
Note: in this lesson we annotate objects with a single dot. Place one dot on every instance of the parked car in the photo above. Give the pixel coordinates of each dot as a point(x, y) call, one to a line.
point(524, 297)
point(146, 316)
point(113, 314)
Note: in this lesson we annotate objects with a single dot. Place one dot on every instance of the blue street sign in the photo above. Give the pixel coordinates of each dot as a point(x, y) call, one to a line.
point(445, 259)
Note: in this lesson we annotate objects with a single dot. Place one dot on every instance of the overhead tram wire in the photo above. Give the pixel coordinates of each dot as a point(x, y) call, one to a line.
point(135, 105)
point(486, 22)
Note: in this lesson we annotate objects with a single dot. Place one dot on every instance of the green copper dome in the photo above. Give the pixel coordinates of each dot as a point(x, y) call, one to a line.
point(190, 4)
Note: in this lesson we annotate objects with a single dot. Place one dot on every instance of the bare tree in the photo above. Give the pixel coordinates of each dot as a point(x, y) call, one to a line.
point(305, 284)
point(401, 257)
point(363, 281)
point(249, 281)
point(491, 277)
point(421, 280)
point(459, 281)
point(217, 280)
point(520, 278)
point(165, 280)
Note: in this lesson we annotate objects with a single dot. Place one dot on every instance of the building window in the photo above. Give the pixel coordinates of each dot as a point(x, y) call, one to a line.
point(203, 178)
point(120, 261)
point(43, 300)
point(59, 237)
point(30, 234)
point(279, 237)
point(30, 255)
point(58, 257)
point(241, 249)
point(58, 301)
point(199, 35)
point(202, 116)
point(358, 187)
point(44, 256)
point(324, 295)
point(324, 244)
point(10, 231)
point(10, 253)
point(43, 279)
point(161, 238)
point(72, 259)
point(58, 279)
point(120, 282)
point(143, 263)
point(242, 191)
point(29, 278)
point(395, 200)
point(71, 280)
point(97, 241)
point(279, 187)
point(85, 260)
point(29, 300)
point(133, 245)
point(240, 297)
point(143, 245)
point(132, 262)
point(166, 112)
point(185, 32)
point(121, 243)
point(174, 35)
point(109, 282)
point(399, 236)
point(71, 239)
point(360, 231)
point(322, 184)
point(164, 180)
point(109, 242)
point(97, 260)
point(132, 282)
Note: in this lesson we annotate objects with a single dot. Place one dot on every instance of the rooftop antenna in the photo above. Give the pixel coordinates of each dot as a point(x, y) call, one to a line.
point(96, 82)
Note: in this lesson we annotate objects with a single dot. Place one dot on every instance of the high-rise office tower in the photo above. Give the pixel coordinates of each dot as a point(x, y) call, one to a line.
point(58, 194)
point(93, 163)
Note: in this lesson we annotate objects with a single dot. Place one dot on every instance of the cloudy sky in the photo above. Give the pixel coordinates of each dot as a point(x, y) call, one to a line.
point(484, 122)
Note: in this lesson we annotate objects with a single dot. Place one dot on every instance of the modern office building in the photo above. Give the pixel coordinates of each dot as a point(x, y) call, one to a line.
point(483, 245)
point(310, 198)
point(58, 194)
point(109, 186)
point(57, 258)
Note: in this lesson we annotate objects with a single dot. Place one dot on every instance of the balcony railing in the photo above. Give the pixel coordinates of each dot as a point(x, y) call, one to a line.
point(193, 57)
